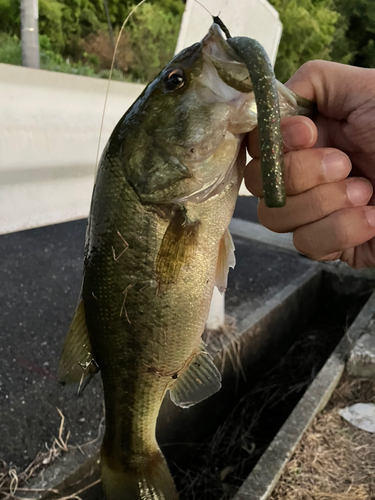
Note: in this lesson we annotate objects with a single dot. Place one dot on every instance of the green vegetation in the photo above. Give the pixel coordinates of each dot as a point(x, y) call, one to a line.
point(356, 36)
point(308, 31)
point(74, 35)
point(334, 30)
point(10, 49)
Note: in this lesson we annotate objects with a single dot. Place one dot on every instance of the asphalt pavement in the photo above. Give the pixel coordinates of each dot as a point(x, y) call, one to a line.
point(40, 278)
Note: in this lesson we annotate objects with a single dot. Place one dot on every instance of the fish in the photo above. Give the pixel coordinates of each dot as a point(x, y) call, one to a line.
point(157, 243)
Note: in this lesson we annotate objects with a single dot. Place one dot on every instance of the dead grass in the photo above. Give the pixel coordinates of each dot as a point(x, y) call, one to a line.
point(225, 340)
point(14, 483)
point(216, 469)
point(334, 461)
point(99, 44)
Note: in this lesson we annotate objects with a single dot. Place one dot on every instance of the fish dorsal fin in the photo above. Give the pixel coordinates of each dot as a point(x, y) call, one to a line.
point(200, 380)
point(77, 365)
point(226, 259)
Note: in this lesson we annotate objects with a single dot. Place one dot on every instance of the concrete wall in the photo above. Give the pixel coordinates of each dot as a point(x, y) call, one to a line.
point(50, 122)
point(252, 18)
point(49, 135)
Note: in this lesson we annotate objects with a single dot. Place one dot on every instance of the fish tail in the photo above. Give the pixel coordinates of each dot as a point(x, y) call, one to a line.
point(144, 478)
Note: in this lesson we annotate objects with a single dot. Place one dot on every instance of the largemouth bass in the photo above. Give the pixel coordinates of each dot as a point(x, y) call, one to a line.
point(157, 243)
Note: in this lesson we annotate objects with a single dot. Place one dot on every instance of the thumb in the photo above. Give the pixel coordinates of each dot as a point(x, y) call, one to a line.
point(337, 89)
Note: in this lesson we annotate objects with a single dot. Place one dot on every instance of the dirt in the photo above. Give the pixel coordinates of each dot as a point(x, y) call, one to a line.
point(334, 460)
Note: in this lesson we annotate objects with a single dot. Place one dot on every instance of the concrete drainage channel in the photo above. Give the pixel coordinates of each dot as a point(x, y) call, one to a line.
point(282, 356)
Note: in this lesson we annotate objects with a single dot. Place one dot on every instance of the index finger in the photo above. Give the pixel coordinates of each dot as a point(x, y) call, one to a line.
point(337, 89)
point(298, 132)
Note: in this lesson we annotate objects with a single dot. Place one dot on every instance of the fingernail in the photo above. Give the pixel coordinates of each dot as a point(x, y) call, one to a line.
point(297, 135)
point(370, 214)
point(358, 192)
point(336, 166)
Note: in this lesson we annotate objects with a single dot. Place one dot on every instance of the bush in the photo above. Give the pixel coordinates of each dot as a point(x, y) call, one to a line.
point(10, 17)
point(153, 33)
point(308, 31)
point(99, 46)
point(10, 49)
point(53, 61)
point(355, 40)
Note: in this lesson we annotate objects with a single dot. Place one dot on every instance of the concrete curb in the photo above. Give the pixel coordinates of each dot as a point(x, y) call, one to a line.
point(256, 232)
point(263, 478)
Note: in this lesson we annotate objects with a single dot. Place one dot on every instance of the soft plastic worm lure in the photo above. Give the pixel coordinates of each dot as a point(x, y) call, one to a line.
point(263, 79)
point(271, 143)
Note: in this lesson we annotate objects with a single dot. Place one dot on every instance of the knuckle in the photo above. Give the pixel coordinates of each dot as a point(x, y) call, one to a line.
point(295, 173)
point(267, 217)
point(312, 67)
point(253, 178)
point(320, 203)
point(262, 214)
point(301, 241)
point(326, 199)
point(341, 230)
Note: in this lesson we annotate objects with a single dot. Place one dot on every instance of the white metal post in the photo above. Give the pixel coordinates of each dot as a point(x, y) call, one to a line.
point(252, 18)
point(30, 33)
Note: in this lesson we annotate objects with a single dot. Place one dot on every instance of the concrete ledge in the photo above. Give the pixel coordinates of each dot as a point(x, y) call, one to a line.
point(49, 137)
point(263, 478)
point(256, 232)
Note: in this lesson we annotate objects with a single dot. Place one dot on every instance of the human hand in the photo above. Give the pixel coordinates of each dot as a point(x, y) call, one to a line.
point(330, 213)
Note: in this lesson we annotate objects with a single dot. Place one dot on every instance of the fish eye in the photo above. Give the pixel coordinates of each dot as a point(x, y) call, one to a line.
point(174, 79)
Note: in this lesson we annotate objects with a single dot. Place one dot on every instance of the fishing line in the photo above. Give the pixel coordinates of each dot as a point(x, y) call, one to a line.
point(109, 80)
point(216, 20)
point(205, 8)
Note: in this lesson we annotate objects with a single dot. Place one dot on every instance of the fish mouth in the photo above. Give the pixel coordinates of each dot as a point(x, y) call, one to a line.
point(230, 68)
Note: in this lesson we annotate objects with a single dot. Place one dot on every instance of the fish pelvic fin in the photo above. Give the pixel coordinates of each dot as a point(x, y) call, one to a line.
point(226, 259)
point(199, 381)
point(77, 365)
point(145, 478)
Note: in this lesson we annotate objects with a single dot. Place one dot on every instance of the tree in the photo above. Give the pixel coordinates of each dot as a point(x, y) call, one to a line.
point(308, 31)
point(355, 40)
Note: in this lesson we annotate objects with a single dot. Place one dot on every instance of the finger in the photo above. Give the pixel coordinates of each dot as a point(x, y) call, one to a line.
point(360, 256)
point(298, 132)
point(304, 170)
point(342, 230)
point(315, 204)
point(331, 85)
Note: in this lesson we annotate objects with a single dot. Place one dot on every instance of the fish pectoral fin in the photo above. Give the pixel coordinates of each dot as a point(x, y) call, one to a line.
point(177, 247)
point(226, 259)
point(199, 381)
point(77, 365)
